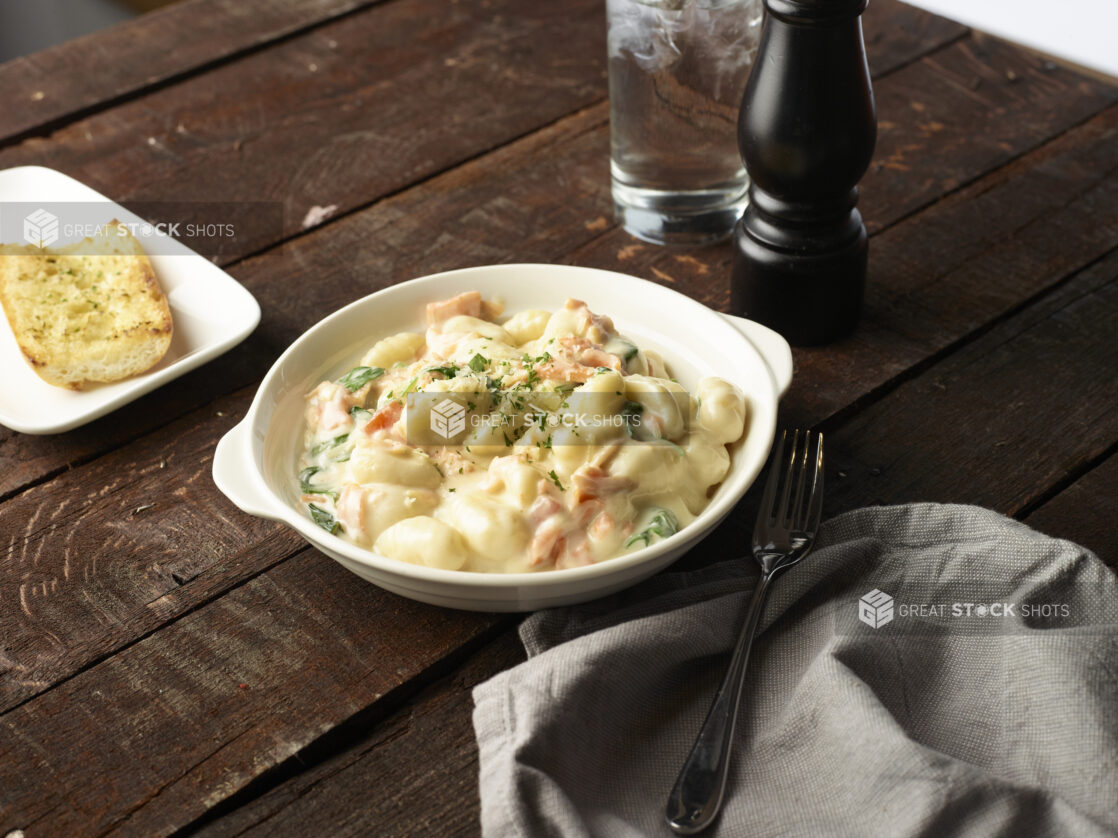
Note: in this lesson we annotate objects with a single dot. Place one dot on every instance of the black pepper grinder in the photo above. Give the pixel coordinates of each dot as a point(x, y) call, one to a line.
point(806, 132)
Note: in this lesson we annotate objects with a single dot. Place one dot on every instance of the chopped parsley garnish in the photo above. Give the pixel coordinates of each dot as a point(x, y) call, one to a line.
point(358, 377)
point(478, 363)
point(555, 479)
point(324, 519)
point(663, 524)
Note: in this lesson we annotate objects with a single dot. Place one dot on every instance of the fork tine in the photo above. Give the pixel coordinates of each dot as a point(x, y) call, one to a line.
point(801, 468)
point(815, 502)
point(782, 513)
point(768, 501)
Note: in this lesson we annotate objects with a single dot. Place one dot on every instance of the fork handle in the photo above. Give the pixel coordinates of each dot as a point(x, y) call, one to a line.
point(696, 797)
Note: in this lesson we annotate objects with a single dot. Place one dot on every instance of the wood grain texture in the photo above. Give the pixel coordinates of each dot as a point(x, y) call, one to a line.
point(376, 786)
point(976, 428)
point(149, 739)
point(104, 555)
point(235, 756)
point(1085, 512)
point(192, 36)
point(92, 71)
point(896, 34)
point(963, 111)
point(336, 118)
point(510, 208)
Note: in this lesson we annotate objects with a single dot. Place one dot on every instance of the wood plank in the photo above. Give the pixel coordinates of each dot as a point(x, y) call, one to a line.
point(90, 72)
point(1085, 512)
point(52, 86)
point(897, 34)
point(974, 106)
point(319, 124)
point(432, 239)
point(377, 783)
point(104, 555)
point(148, 740)
point(1001, 421)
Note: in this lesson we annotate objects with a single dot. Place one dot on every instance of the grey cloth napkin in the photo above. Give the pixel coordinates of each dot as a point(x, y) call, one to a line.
point(973, 692)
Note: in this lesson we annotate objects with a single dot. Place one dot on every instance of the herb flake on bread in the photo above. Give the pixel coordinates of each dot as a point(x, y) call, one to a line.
point(89, 312)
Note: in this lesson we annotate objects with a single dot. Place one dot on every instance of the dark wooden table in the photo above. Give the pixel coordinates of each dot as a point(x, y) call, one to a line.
point(184, 668)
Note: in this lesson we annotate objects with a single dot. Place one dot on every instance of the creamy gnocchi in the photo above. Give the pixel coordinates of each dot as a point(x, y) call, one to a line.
point(533, 442)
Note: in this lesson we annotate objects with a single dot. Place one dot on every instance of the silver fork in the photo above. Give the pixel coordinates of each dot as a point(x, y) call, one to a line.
point(783, 535)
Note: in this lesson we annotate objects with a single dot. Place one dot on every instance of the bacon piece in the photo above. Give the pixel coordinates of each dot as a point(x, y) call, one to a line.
point(384, 418)
point(468, 303)
point(542, 508)
point(590, 319)
point(601, 526)
point(591, 482)
point(350, 509)
point(328, 406)
point(594, 357)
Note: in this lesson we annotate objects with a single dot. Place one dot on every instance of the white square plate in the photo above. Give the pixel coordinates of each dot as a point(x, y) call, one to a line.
point(212, 313)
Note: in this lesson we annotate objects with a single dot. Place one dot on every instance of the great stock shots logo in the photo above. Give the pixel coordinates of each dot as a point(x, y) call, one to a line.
point(878, 608)
point(448, 418)
point(875, 609)
point(40, 228)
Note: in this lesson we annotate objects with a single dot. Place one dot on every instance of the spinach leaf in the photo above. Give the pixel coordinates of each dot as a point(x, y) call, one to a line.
point(445, 372)
point(630, 413)
point(309, 488)
point(329, 443)
point(324, 519)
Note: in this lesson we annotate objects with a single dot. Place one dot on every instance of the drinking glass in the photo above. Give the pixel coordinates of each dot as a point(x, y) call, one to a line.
point(677, 72)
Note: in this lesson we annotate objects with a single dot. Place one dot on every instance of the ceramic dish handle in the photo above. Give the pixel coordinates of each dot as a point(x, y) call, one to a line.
point(236, 476)
point(773, 348)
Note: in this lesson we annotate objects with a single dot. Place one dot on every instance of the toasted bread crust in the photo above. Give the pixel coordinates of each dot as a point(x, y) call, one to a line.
point(89, 312)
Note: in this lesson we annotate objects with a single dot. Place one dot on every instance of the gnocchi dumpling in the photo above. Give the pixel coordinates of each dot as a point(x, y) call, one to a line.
point(423, 540)
point(721, 409)
point(395, 349)
point(493, 530)
point(367, 511)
